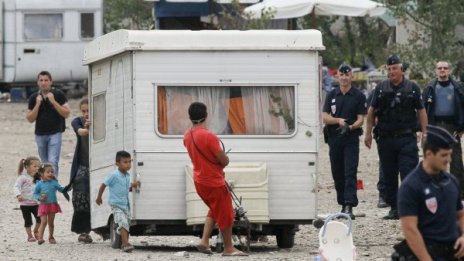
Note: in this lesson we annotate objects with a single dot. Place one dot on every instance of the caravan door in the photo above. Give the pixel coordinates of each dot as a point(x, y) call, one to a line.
point(107, 130)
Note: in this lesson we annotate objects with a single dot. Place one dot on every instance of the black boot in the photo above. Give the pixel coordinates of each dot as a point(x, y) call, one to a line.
point(382, 203)
point(392, 214)
point(349, 211)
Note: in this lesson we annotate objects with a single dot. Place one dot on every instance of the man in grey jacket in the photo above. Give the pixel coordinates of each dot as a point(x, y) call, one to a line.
point(444, 103)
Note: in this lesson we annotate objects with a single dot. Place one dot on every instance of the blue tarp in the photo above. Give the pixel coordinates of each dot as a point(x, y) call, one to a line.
point(169, 9)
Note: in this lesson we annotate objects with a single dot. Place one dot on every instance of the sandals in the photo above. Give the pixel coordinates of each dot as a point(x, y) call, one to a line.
point(204, 250)
point(41, 241)
point(235, 253)
point(31, 239)
point(128, 248)
point(85, 238)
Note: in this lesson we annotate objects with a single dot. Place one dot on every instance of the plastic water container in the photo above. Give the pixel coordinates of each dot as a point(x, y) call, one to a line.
point(18, 94)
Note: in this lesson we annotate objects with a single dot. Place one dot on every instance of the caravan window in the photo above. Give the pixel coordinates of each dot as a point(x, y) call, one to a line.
point(232, 110)
point(99, 117)
point(43, 27)
point(87, 26)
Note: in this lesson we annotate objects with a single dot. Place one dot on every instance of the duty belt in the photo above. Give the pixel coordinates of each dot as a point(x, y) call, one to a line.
point(443, 250)
point(331, 131)
point(394, 133)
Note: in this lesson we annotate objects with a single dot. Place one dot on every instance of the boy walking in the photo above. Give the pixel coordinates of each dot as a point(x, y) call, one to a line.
point(119, 183)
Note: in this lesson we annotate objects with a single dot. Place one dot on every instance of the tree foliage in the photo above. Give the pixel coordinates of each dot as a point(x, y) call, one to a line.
point(435, 36)
point(233, 17)
point(352, 40)
point(124, 14)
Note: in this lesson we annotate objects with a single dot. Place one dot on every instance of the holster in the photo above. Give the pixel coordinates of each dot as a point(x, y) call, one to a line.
point(403, 252)
point(376, 133)
point(325, 131)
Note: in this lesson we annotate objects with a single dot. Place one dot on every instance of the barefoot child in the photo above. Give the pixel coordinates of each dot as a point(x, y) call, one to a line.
point(119, 183)
point(45, 193)
point(24, 189)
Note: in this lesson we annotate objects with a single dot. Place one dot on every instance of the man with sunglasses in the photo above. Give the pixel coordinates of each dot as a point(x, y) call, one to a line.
point(444, 103)
point(430, 207)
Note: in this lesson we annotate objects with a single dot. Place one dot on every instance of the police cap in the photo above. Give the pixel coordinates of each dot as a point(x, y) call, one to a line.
point(344, 68)
point(439, 137)
point(393, 59)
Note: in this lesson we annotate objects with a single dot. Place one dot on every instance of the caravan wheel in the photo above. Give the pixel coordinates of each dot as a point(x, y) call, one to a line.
point(286, 237)
point(115, 238)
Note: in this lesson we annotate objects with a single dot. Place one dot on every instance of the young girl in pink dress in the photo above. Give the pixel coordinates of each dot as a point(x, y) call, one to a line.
point(45, 193)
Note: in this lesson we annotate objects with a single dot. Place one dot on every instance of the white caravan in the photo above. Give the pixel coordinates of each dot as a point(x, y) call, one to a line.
point(262, 92)
point(47, 35)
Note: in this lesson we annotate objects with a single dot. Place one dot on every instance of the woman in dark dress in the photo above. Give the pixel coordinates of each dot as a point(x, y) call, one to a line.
point(80, 175)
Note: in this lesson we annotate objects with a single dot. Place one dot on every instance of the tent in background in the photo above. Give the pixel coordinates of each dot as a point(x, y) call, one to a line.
point(286, 9)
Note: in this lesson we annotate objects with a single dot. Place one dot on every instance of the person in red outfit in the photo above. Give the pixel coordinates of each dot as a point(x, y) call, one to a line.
point(209, 161)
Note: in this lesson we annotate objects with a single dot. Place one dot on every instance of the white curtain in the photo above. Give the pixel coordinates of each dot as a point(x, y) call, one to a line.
point(263, 115)
point(217, 102)
point(260, 109)
point(178, 99)
point(288, 102)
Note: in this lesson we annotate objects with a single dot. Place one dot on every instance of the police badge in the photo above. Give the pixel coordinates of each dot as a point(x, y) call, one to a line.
point(432, 204)
point(333, 109)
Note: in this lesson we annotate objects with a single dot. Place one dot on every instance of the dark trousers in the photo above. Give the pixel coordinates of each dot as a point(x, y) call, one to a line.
point(27, 211)
point(381, 187)
point(456, 164)
point(344, 158)
point(397, 155)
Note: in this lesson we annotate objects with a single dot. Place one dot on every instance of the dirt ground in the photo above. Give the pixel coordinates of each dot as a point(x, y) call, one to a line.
point(373, 236)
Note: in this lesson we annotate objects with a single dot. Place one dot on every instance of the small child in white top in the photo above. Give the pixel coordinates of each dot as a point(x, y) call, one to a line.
point(24, 190)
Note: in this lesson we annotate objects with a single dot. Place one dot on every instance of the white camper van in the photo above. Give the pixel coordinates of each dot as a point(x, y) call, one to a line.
point(46, 35)
point(262, 92)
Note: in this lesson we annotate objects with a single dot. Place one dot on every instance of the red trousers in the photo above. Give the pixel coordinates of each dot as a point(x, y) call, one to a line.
point(219, 202)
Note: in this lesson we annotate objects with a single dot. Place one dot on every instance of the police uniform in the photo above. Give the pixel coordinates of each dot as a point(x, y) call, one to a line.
point(395, 108)
point(450, 95)
point(343, 143)
point(434, 200)
point(381, 182)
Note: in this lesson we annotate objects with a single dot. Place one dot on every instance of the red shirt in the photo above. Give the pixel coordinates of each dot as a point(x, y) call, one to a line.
point(207, 172)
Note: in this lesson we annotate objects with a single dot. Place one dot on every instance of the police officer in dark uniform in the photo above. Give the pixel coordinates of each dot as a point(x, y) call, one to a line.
point(444, 103)
point(430, 207)
point(343, 115)
point(397, 105)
